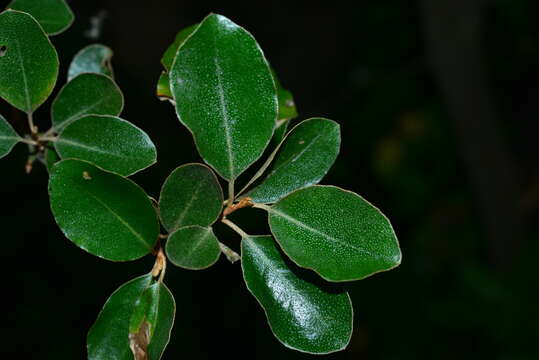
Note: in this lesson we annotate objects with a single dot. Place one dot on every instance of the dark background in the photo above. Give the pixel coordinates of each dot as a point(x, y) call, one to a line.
point(437, 100)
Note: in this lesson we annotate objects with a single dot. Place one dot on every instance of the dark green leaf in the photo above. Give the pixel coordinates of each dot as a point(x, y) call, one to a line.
point(108, 339)
point(28, 64)
point(103, 213)
point(163, 87)
point(51, 158)
point(170, 53)
point(8, 137)
point(280, 132)
point(93, 58)
point(86, 94)
point(303, 314)
point(305, 156)
point(152, 320)
point(54, 16)
point(225, 95)
point(191, 195)
point(108, 142)
point(287, 106)
point(193, 247)
point(334, 232)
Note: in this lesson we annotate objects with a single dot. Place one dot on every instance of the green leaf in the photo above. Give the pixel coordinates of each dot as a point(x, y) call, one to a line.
point(51, 158)
point(303, 314)
point(108, 339)
point(170, 53)
point(109, 142)
point(54, 16)
point(93, 58)
point(280, 132)
point(191, 195)
point(28, 63)
point(103, 213)
point(163, 87)
point(225, 95)
point(334, 232)
point(86, 94)
point(8, 137)
point(193, 247)
point(287, 106)
point(152, 320)
point(305, 156)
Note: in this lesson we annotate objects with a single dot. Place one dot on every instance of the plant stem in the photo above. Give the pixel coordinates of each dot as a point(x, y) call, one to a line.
point(33, 128)
point(48, 138)
point(28, 141)
point(230, 254)
point(262, 206)
point(235, 227)
point(230, 192)
point(160, 265)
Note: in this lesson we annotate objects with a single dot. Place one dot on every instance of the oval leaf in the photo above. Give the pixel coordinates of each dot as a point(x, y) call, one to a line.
point(151, 322)
point(28, 63)
point(109, 142)
point(304, 315)
point(193, 247)
point(8, 137)
point(225, 95)
point(170, 53)
point(86, 94)
point(54, 16)
point(103, 213)
point(108, 339)
point(93, 58)
point(305, 156)
point(191, 195)
point(335, 232)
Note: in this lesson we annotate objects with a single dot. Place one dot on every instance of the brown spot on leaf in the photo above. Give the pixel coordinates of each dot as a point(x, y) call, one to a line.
point(138, 342)
point(86, 175)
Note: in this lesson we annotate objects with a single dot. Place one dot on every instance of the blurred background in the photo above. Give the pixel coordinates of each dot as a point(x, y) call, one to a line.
point(437, 100)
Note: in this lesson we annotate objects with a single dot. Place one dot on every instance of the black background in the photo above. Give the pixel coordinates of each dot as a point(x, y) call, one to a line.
point(440, 139)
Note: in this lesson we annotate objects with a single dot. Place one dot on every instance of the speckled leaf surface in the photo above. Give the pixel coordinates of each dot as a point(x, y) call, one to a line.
point(103, 213)
point(89, 93)
point(29, 62)
point(153, 314)
point(8, 137)
point(108, 339)
point(225, 95)
point(191, 195)
point(170, 53)
point(54, 16)
point(193, 247)
point(304, 314)
point(93, 58)
point(335, 232)
point(109, 142)
point(280, 132)
point(305, 156)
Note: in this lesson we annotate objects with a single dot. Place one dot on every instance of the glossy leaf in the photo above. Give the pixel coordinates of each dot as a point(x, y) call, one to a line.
point(8, 137)
point(109, 142)
point(163, 87)
point(103, 213)
point(108, 339)
point(225, 95)
point(93, 58)
point(170, 53)
point(54, 16)
point(193, 247)
point(28, 64)
point(304, 157)
point(191, 195)
point(335, 232)
point(152, 320)
point(86, 94)
point(280, 132)
point(303, 314)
